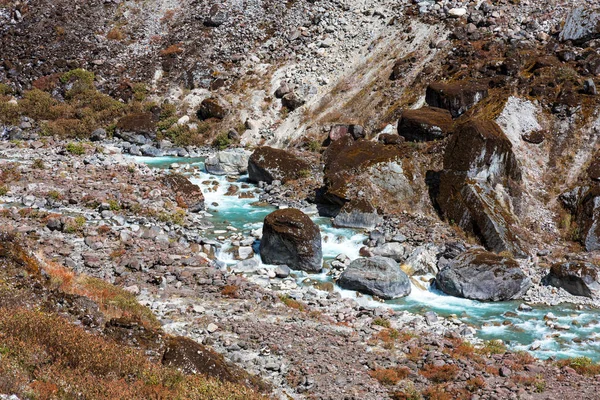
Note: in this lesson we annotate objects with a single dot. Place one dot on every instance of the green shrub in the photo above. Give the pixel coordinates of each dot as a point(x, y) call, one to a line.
point(79, 75)
point(382, 322)
point(38, 163)
point(75, 148)
point(221, 142)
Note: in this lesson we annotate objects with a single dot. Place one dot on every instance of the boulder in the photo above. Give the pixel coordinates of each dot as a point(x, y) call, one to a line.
point(394, 250)
point(422, 261)
point(582, 24)
point(292, 101)
point(233, 161)
point(340, 131)
point(98, 135)
point(424, 124)
point(357, 214)
point(579, 278)
point(184, 190)
point(136, 128)
point(283, 89)
point(211, 108)
point(485, 276)
point(267, 164)
point(378, 276)
point(291, 238)
point(480, 178)
point(390, 139)
point(456, 97)
point(588, 218)
point(216, 17)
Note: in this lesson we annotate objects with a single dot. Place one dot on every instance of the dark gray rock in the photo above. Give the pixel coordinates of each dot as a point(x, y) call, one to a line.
point(485, 276)
point(456, 97)
point(150, 151)
point(216, 17)
point(378, 276)
point(579, 278)
point(581, 25)
point(291, 238)
point(98, 135)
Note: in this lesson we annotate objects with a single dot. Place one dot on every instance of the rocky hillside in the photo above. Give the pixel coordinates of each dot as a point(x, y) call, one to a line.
point(457, 142)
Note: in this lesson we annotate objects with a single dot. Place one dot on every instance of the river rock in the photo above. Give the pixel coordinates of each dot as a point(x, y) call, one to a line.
point(378, 276)
point(291, 238)
point(485, 276)
point(395, 251)
point(424, 124)
point(422, 261)
point(227, 162)
point(582, 24)
point(579, 278)
point(455, 97)
point(267, 164)
point(182, 188)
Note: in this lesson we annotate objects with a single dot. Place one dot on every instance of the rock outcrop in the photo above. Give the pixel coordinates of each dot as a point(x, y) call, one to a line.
point(378, 276)
point(267, 164)
point(485, 276)
point(581, 25)
point(291, 238)
point(234, 161)
point(360, 177)
point(424, 124)
point(579, 278)
point(480, 178)
point(185, 191)
point(456, 97)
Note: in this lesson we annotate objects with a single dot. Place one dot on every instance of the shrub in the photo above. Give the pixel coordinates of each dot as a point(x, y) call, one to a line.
point(38, 163)
point(583, 365)
point(115, 34)
point(304, 173)
point(79, 75)
point(382, 322)
point(172, 50)
point(288, 301)
point(3, 190)
point(54, 194)
point(230, 291)
point(409, 393)
point(75, 148)
point(113, 205)
point(492, 347)
point(5, 90)
point(314, 146)
point(390, 376)
point(474, 384)
point(445, 373)
point(221, 142)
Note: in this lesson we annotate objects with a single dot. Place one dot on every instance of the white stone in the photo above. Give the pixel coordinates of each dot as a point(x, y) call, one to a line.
point(457, 12)
point(212, 328)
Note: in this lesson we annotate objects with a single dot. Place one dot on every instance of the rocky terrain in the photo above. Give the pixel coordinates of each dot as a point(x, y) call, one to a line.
point(272, 198)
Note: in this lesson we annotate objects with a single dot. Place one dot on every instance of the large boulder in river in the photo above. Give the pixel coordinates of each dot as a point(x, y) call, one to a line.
point(481, 177)
point(227, 162)
point(378, 276)
point(267, 164)
point(185, 191)
point(579, 278)
point(291, 238)
point(485, 276)
point(424, 124)
point(582, 24)
point(456, 97)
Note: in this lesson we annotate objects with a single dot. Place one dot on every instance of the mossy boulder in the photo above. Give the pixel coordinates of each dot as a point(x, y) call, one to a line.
point(211, 108)
point(579, 278)
point(480, 180)
point(137, 128)
point(424, 124)
point(291, 238)
point(185, 191)
point(484, 276)
point(267, 164)
point(378, 276)
point(456, 97)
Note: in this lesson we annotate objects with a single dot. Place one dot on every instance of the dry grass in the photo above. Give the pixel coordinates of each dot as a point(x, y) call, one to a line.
point(114, 302)
point(46, 357)
point(291, 303)
point(445, 373)
point(172, 50)
point(390, 376)
point(115, 34)
point(230, 291)
point(583, 365)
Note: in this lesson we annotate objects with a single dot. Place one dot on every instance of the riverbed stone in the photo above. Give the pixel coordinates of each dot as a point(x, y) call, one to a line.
point(189, 193)
point(482, 275)
point(580, 278)
point(291, 238)
point(227, 162)
point(378, 276)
